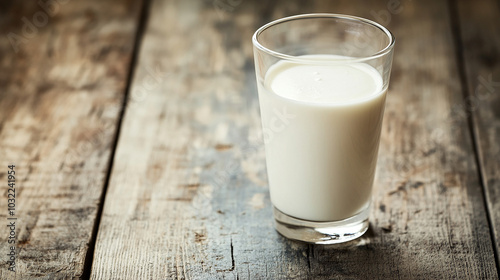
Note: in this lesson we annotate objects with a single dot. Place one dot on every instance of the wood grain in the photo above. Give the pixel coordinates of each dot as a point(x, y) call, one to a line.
point(478, 24)
point(188, 196)
point(63, 72)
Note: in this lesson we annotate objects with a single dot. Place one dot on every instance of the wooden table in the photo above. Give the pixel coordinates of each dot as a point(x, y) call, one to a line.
point(134, 130)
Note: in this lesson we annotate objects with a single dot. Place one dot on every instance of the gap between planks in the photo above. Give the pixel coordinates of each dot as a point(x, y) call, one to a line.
point(143, 19)
point(464, 84)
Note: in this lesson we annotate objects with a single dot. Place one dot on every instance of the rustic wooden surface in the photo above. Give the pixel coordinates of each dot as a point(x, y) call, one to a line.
point(187, 195)
point(479, 22)
point(60, 100)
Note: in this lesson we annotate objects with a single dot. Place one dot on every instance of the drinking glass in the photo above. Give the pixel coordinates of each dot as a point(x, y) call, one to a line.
point(322, 83)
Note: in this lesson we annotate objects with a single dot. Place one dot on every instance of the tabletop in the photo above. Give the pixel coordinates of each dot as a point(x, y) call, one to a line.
point(131, 148)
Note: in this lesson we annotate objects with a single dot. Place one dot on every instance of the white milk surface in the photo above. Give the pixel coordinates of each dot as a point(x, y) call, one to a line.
point(322, 127)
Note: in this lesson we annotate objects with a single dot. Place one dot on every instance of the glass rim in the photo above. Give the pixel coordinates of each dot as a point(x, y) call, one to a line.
point(298, 59)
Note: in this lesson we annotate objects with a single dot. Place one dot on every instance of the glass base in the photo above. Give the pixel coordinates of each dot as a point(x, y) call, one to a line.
point(322, 232)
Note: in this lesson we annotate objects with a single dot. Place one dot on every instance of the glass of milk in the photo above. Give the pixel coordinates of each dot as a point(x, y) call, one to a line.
point(322, 82)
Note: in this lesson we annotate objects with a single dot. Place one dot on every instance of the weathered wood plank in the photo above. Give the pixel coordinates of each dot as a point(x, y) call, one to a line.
point(63, 72)
point(188, 196)
point(479, 23)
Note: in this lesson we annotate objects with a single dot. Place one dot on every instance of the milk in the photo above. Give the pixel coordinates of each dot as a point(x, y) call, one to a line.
point(323, 126)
